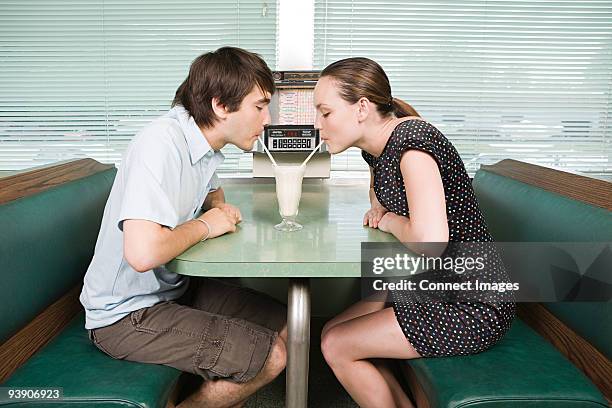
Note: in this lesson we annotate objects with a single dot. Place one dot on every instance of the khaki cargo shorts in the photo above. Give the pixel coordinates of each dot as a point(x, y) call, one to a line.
point(215, 330)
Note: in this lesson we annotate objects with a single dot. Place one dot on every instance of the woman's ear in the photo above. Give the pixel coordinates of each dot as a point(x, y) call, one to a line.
point(363, 109)
point(219, 108)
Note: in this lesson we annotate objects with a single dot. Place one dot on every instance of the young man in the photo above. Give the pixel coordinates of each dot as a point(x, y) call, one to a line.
point(138, 310)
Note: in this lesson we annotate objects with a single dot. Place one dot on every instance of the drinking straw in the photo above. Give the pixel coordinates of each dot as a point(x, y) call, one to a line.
point(267, 151)
point(312, 153)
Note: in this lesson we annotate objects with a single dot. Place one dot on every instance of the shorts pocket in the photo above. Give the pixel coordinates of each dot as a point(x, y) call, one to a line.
point(212, 343)
point(151, 319)
point(137, 318)
point(227, 349)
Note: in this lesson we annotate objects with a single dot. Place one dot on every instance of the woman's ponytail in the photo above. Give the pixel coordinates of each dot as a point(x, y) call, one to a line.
point(402, 109)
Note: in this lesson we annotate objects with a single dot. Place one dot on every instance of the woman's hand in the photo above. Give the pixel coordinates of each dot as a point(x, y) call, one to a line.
point(390, 219)
point(373, 216)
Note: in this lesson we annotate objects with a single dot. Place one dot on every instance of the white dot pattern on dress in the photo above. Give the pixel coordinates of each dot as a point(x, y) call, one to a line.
point(440, 329)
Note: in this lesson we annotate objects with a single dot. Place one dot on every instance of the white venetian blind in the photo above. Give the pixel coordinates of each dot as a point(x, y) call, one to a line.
point(79, 79)
point(529, 80)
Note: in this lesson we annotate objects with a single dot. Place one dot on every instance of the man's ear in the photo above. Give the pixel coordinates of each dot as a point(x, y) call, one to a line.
point(219, 108)
point(363, 109)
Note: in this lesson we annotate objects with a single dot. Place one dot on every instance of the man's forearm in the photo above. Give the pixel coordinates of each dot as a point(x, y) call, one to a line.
point(158, 245)
point(214, 199)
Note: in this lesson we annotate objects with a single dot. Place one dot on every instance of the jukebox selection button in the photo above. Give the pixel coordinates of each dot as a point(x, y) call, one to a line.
point(291, 143)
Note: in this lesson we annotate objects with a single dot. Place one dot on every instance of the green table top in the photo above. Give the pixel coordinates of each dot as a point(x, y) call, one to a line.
point(329, 245)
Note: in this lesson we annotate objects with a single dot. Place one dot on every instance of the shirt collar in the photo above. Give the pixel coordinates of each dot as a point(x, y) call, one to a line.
point(196, 142)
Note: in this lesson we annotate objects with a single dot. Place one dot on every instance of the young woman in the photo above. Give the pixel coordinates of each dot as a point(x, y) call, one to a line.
point(420, 192)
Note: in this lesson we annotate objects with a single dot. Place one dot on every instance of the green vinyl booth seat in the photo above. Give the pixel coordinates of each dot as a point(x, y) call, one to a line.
point(46, 245)
point(89, 377)
point(524, 369)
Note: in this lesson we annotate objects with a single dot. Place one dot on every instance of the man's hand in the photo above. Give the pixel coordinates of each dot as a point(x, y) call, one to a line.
point(230, 210)
point(220, 221)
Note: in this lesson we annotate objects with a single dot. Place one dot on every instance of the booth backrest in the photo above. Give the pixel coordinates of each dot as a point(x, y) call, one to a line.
point(517, 210)
point(46, 244)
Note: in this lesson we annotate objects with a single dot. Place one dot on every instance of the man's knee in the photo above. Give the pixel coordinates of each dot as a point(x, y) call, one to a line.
point(277, 360)
point(283, 334)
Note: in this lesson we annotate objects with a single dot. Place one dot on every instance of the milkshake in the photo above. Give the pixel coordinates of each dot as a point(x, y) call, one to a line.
point(288, 191)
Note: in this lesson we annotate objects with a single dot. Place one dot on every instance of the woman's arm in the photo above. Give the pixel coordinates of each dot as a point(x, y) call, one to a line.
point(374, 203)
point(377, 210)
point(425, 196)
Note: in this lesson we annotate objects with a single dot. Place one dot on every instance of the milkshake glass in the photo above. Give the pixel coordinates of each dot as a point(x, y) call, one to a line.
point(288, 191)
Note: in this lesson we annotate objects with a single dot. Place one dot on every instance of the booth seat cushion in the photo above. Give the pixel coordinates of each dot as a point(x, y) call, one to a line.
point(518, 212)
point(46, 243)
point(91, 378)
point(522, 370)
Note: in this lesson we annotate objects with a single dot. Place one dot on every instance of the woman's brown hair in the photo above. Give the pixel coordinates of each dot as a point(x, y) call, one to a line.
point(360, 77)
point(228, 74)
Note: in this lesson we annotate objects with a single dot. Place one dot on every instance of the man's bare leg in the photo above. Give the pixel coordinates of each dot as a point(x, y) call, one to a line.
point(226, 394)
point(281, 335)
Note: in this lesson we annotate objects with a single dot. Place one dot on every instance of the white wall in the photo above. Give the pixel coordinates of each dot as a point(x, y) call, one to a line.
point(296, 34)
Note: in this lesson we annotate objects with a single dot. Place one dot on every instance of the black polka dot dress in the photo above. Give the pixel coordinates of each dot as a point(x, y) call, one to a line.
point(434, 328)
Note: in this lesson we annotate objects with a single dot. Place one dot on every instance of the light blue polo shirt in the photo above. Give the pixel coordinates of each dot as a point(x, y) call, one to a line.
point(165, 175)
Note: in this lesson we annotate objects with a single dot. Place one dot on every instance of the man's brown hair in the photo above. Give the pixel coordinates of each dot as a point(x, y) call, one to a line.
point(228, 74)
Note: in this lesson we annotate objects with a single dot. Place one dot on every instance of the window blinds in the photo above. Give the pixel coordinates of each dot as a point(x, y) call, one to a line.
point(529, 80)
point(79, 79)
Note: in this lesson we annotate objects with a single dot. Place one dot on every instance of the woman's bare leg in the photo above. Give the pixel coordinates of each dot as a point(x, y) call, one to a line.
point(348, 345)
point(399, 396)
point(363, 307)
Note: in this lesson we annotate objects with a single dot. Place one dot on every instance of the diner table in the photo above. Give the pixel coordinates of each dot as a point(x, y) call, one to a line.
point(329, 245)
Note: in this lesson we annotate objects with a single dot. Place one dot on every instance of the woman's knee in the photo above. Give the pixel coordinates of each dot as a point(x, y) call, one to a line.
point(330, 323)
point(331, 346)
